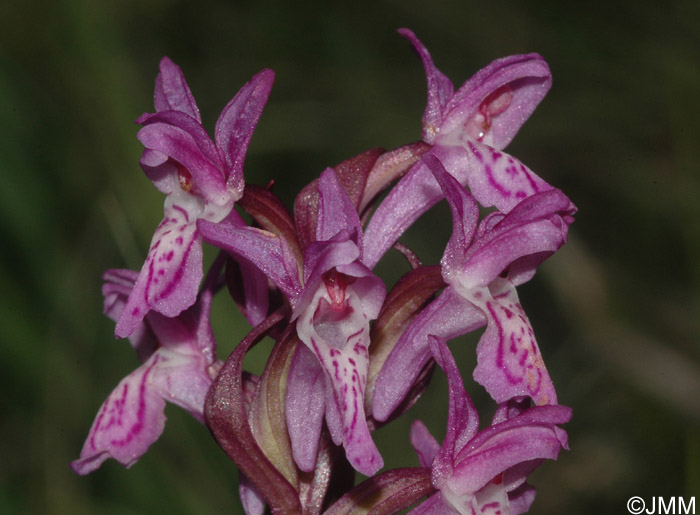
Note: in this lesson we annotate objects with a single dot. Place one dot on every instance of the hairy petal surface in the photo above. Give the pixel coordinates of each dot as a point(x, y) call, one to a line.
point(170, 277)
point(235, 127)
point(128, 422)
point(172, 92)
point(305, 406)
point(339, 340)
point(448, 316)
point(509, 361)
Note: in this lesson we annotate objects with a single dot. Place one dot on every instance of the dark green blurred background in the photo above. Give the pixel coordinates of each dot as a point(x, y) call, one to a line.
point(616, 311)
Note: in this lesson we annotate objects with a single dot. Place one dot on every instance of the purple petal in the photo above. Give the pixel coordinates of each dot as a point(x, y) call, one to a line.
point(236, 124)
point(271, 214)
point(253, 503)
point(509, 360)
point(447, 317)
point(263, 249)
point(257, 293)
point(339, 336)
point(128, 422)
point(412, 196)
point(322, 256)
point(424, 444)
point(336, 211)
point(172, 92)
point(117, 286)
point(496, 178)
point(493, 105)
point(182, 139)
point(170, 277)
point(515, 239)
point(527, 437)
point(407, 298)
point(389, 167)
point(440, 89)
point(465, 217)
point(305, 407)
point(462, 419)
point(182, 379)
point(162, 172)
point(521, 499)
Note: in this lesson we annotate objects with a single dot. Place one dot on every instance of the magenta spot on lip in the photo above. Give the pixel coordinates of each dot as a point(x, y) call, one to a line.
point(184, 212)
point(529, 178)
point(494, 182)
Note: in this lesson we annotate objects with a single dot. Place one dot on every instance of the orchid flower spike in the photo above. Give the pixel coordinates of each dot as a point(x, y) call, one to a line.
point(467, 130)
point(178, 358)
point(484, 471)
point(332, 303)
point(202, 180)
point(482, 265)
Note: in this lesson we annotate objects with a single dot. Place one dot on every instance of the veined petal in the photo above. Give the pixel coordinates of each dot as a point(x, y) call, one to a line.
point(440, 89)
point(263, 249)
point(305, 406)
point(182, 139)
point(172, 91)
point(501, 447)
point(336, 211)
point(162, 172)
point(509, 360)
point(170, 277)
point(465, 217)
point(498, 179)
point(236, 124)
point(448, 316)
point(339, 339)
point(524, 245)
point(412, 196)
point(425, 445)
point(128, 422)
point(183, 380)
point(462, 419)
point(117, 286)
point(493, 105)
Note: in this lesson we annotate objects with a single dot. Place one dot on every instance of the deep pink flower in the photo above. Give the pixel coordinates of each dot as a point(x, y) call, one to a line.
point(467, 129)
point(482, 265)
point(332, 305)
point(485, 471)
point(179, 361)
point(202, 180)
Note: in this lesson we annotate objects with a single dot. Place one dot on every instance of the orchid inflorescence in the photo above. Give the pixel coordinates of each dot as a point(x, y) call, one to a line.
point(348, 356)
